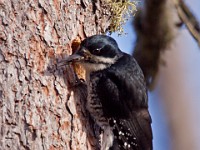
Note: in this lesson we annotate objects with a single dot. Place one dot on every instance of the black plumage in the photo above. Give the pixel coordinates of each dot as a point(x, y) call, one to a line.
point(122, 91)
point(117, 95)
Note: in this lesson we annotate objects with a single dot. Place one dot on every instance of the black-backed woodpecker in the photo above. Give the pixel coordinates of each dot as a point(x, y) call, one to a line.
point(117, 95)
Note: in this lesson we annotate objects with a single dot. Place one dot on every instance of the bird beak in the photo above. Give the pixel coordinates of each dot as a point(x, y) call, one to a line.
point(72, 58)
point(76, 57)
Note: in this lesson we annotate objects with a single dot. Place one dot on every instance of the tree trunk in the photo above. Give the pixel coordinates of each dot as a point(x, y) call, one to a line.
point(38, 110)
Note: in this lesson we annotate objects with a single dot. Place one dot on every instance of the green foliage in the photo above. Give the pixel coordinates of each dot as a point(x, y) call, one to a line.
point(121, 11)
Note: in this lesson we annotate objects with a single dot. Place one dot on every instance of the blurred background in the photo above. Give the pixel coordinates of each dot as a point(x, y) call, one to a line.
point(176, 96)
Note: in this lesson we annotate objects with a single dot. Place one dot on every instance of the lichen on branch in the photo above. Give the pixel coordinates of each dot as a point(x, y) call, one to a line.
point(121, 11)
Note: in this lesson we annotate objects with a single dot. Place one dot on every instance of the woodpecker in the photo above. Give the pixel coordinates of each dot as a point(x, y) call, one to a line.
point(117, 95)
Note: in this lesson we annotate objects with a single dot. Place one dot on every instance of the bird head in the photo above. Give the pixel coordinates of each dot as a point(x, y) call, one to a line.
point(97, 52)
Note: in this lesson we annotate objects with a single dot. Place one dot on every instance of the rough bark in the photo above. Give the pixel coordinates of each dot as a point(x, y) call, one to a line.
point(38, 110)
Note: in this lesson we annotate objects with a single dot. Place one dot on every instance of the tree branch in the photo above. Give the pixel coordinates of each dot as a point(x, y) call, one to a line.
point(188, 19)
point(154, 33)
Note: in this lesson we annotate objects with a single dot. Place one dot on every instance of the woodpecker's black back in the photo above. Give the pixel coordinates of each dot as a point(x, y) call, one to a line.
point(122, 91)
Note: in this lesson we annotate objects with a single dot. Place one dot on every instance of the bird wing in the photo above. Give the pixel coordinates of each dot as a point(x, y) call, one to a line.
point(133, 133)
point(121, 88)
point(124, 100)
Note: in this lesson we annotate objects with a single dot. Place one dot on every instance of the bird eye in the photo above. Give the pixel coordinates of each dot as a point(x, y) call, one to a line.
point(96, 51)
